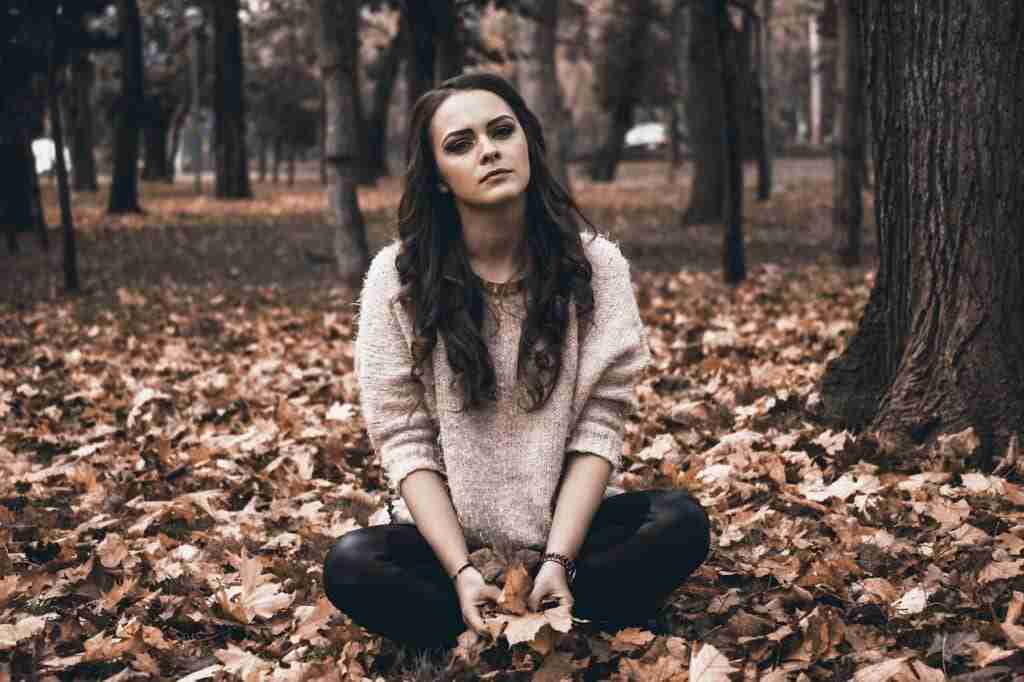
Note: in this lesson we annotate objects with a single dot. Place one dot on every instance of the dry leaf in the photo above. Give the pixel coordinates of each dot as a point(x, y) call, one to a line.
point(709, 665)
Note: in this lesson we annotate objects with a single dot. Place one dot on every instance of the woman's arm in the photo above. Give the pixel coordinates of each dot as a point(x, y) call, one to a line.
point(431, 507)
point(586, 477)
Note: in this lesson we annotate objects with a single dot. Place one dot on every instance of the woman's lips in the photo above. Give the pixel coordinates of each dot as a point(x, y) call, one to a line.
point(496, 174)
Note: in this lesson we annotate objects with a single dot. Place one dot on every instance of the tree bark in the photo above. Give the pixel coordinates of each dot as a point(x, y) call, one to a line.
point(848, 182)
point(538, 83)
point(83, 160)
point(231, 159)
point(941, 343)
point(421, 48)
point(681, 36)
point(124, 190)
point(338, 38)
point(706, 114)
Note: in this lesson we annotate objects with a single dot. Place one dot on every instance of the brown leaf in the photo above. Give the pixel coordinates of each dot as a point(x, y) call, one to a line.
point(516, 592)
point(709, 665)
point(630, 639)
point(112, 551)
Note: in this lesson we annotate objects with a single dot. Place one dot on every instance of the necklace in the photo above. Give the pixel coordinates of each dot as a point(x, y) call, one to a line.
point(512, 285)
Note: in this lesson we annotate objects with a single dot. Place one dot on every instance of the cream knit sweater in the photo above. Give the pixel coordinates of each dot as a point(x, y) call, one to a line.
point(502, 464)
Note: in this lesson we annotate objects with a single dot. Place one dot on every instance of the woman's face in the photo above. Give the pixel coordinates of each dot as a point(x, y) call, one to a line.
point(480, 149)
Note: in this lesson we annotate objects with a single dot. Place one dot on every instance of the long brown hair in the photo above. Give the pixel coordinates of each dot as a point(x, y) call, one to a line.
point(440, 287)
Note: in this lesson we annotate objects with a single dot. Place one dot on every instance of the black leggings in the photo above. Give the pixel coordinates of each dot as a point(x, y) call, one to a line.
point(639, 548)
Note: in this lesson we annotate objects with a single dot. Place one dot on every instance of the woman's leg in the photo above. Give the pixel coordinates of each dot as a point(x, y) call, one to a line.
point(388, 580)
point(639, 548)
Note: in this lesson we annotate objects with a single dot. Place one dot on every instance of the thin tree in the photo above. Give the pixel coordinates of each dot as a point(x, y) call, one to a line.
point(83, 159)
point(124, 190)
point(338, 36)
point(231, 158)
point(940, 346)
point(538, 82)
point(848, 180)
point(766, 85)
point(71, 283)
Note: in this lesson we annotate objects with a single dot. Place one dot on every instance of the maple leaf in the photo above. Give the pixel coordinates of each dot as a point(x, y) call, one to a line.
point(310, 619)
point(524, 628)
point(257, 596)
point(631, 638)
point(110, 600)
point(709, 665)
point(239, 662)
point(516, 591)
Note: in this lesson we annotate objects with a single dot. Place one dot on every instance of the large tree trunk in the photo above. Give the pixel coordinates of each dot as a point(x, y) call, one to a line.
point(83, 160)
point(538, 83)
point(124, 190)
point(231, 160)
point(338, 63)
point(421, 48)
point(941, 343)
point(848, 183)
point(706, 112)
point(681, 36)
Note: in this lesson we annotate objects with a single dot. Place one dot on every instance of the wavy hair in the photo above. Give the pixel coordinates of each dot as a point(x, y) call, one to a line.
point(440, 288)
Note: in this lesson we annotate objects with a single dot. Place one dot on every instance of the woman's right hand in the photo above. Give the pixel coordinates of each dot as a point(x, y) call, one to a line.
point(473, 592)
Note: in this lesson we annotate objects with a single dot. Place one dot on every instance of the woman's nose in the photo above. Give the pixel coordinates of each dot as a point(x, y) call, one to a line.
point(490, 152)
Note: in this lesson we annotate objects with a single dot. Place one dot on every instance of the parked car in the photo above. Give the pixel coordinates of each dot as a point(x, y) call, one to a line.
point(45, 152)
point(650, 136)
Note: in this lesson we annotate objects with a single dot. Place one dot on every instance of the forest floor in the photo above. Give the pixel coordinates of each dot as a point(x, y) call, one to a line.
point(180, 447)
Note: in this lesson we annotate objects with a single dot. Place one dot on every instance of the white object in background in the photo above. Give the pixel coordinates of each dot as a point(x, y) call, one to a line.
point(646, 135)
point(45, 152)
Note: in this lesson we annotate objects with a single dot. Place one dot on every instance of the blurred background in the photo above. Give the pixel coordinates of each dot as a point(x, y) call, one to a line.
point(287, 119)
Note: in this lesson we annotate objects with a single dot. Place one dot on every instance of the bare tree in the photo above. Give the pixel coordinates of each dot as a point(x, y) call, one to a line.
point(124, 190)
point(231, 158)
point(338, 35)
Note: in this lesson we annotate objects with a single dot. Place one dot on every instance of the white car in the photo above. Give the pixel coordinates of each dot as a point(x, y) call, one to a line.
point(45, 152)
point(650, 135)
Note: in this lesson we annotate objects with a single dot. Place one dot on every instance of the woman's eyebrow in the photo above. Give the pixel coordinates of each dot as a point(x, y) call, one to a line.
point(468, 130)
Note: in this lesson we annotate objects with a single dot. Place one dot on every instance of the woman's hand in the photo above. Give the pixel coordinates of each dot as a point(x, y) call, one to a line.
point(550, 584)
point(474, 591)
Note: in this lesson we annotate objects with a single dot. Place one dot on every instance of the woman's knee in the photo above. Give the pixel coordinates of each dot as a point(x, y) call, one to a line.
point(684, 519)
point(348, 560)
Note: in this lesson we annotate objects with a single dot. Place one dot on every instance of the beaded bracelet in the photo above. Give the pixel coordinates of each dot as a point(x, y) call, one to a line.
point(468, 564)
point(565, 562)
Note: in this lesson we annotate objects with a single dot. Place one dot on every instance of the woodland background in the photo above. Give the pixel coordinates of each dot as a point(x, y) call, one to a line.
point(826, 252)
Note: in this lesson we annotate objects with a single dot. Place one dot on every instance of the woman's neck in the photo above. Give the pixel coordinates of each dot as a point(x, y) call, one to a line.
point(495, 240)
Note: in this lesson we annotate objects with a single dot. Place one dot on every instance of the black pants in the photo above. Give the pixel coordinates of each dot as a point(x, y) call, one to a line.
point(639, 548)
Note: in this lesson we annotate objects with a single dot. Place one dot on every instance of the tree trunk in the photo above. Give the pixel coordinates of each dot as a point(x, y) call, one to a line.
point(377, 121)
point(338, 37)
point(156, 165)
point(848, 212)
point(232, 163)
point(291, 164)
point(538, 83)
point(622, 88)
point(83, 160)
point(681, 36)
point(174, 144)
point(124, 190)
point(766, 83)
point(733, 259)
point(275, 169)
point(71, 283)
point(706, 114)
point(941, 343)
point(447, 44)
point(263, 147)
point(20, 209)
point(814, 46)
point(421, 48)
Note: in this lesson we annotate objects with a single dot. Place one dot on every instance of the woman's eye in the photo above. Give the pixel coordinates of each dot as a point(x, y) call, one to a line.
point(458, 147)
point(504, 131)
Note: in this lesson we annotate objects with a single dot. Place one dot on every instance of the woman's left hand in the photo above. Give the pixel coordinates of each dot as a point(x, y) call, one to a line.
point(551, 584)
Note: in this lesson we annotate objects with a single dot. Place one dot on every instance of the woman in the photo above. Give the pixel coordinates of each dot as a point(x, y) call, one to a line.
point(497, 355)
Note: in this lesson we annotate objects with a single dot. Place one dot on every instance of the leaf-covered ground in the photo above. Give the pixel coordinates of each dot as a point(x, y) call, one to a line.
point(179, 449)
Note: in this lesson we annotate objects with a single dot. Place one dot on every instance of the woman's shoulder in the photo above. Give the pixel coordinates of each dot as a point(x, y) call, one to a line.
point(604, 255)
point(382, 276)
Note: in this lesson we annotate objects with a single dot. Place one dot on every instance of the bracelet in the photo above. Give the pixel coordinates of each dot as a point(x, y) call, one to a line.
point(565, 562)
point(468, 564)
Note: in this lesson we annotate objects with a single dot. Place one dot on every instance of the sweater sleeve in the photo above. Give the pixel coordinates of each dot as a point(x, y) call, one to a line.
point(405, 441)
point(613, 355)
